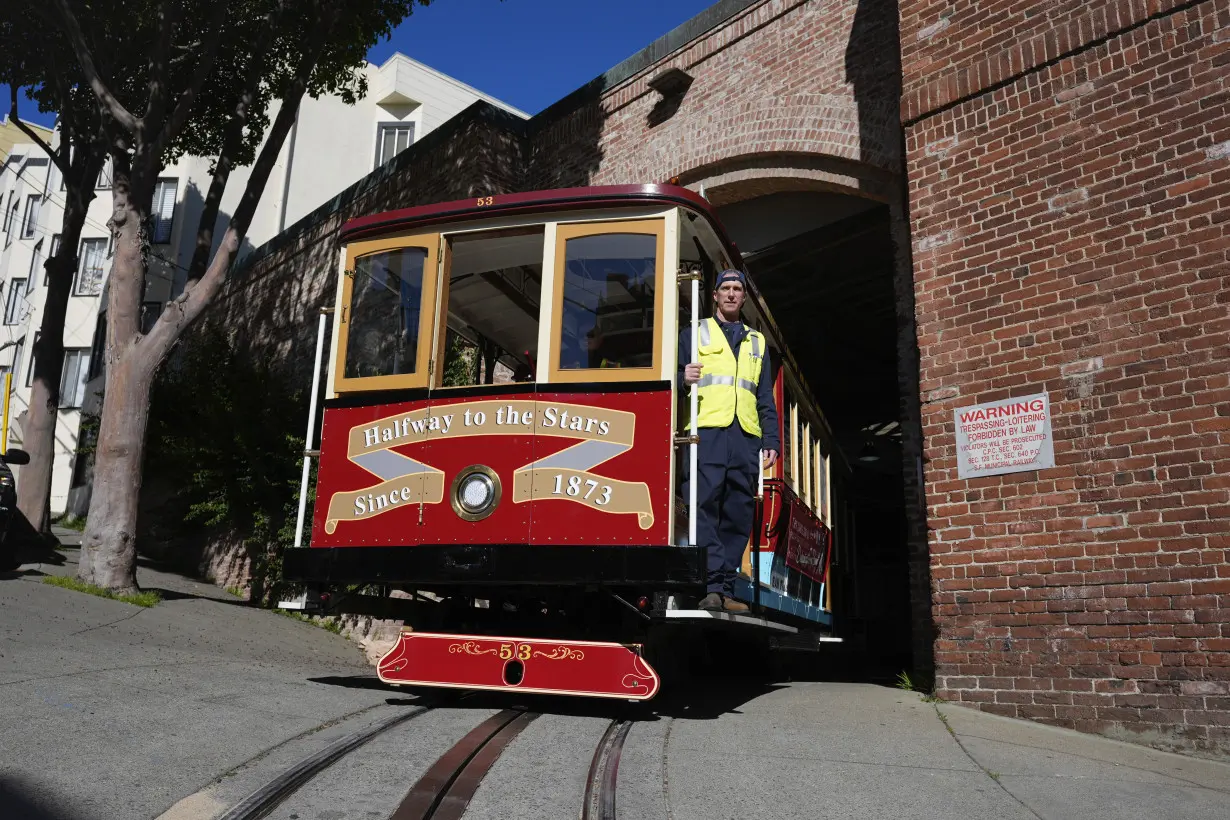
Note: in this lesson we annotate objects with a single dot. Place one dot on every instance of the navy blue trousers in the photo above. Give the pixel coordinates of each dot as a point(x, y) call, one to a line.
point(726, 500)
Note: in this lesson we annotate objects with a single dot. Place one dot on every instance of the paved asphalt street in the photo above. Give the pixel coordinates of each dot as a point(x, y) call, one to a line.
point(180, 711)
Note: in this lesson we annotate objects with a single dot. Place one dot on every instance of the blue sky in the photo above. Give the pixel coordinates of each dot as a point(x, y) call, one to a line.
point(528, 53)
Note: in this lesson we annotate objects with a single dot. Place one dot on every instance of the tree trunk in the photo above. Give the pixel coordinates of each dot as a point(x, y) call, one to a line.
point(39, 430)
point(109, 548)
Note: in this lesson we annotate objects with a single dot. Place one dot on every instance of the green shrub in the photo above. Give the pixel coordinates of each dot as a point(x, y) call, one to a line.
point(226, 434)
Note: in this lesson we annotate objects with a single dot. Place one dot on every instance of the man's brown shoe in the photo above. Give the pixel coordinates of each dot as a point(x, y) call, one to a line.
point(711, 602)
point(737, 607)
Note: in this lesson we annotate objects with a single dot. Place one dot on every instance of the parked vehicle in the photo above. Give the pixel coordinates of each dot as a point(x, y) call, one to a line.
point(9, 559)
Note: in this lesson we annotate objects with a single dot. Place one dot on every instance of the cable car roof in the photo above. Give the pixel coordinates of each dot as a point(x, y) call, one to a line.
point(532, 202)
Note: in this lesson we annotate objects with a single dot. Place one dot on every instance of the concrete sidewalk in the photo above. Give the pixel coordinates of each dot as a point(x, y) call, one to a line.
point(108, 710)
point(838, 750)
point(112, 711)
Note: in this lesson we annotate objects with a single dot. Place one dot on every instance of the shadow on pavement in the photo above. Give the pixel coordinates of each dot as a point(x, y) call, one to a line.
point(177, 595)
point(700, 698)
point(354, 682)
point(23, 544)
point(15, 804)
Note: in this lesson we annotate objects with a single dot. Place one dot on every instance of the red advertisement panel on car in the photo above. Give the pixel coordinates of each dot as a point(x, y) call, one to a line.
point(532, 467)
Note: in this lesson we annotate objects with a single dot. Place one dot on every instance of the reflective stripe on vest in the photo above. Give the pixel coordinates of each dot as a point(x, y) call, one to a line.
point(727, 389)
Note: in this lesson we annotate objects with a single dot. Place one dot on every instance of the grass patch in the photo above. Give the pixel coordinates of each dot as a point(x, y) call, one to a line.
point(238, 592)
point(905, 683)
point(75, 524)
point(145, 599)
point(328, 624)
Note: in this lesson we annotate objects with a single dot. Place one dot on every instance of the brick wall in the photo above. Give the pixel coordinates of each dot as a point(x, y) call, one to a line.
point(778, 77)
point(1069, 178)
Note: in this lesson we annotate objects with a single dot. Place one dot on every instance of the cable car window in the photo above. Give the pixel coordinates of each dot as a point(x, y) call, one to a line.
point(385, 304)
point(609, 284)
point(493, 298)
point(387, 295)
point(607, 301)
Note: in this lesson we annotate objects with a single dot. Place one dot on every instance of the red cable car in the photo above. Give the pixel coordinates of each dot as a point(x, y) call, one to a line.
point(503, 444)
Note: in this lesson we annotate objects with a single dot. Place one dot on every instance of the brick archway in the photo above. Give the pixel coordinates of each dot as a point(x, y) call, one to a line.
point(753, 175)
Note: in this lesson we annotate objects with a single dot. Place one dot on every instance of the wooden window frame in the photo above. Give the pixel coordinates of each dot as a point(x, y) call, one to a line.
point(428, 309)
point(651, 226)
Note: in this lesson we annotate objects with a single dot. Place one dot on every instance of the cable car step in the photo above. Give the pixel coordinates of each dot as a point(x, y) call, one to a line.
point(704, 615)
point(543, 666)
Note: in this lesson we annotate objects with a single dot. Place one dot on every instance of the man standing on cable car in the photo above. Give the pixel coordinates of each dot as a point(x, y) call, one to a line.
point(736, 420)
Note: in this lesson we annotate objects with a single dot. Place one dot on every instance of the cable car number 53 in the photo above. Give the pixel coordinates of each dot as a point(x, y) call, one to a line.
point(522, 652)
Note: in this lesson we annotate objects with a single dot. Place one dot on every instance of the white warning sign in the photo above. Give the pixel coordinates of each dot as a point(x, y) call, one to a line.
point(1009, 436)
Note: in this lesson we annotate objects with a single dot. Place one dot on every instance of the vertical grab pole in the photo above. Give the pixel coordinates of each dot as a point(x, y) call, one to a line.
point(311, 430)
point(694, 398)
point(759, 520)
point(8, 387)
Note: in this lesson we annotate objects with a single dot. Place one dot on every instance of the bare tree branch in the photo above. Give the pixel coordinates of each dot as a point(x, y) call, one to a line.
point(230, 142)
point(60, 161)
point(205, 64)
point(98, 84)
point(184, 310)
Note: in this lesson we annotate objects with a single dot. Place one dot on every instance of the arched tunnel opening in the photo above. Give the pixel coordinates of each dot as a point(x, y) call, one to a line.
point(824, 262)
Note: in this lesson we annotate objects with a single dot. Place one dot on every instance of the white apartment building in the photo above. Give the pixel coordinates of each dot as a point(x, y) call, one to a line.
point(331, 146)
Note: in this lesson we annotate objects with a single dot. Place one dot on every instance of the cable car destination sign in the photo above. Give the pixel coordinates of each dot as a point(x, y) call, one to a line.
point(1008, 436)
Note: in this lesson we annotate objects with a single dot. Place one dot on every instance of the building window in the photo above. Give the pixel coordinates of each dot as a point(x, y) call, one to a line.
point(30, 368)
point(13, 313)
point(15, 367)
point(90, 270)
point(73, 379)
point(55, 248)
point(104, 176)
point(8, 223)
point(29, 225)
point(150, 311)
point(392, 139)
point(36, 259)
point(163, 210)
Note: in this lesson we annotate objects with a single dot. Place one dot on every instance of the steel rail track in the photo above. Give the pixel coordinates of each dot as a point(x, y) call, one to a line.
point(604, 772)
point(448, 786)
point(446, 789)
point(268, 797)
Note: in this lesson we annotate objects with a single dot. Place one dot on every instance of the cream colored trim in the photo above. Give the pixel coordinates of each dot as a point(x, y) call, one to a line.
point(564, 232)
point(828, 491)
point(546, 305)
point(435, 367)
point(817, 463)
point(330, 389)
point(668, 318)
point(670, 349)
point(794, 447)
point(808, 483)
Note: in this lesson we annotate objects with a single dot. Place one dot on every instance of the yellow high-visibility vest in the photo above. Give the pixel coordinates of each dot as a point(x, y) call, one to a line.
point(727, 386)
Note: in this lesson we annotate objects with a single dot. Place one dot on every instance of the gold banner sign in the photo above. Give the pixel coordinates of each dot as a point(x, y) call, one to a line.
point(565, 475)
